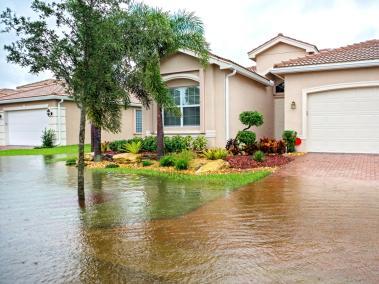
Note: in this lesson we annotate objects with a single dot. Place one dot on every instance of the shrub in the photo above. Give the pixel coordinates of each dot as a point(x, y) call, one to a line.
point(215, 154)
point(199, 143)
point(149, 144)
point(117, 145)
point(133, 147)
point(181, 164)
point(167, 161)
point(146, 163)
point(267, 145)
point(104, 146)
point(251, 118)
point(246, 137)
point(289, 136)
point(111, 166)
point(232, 146)
point(48, 138)
point(71, 162)
point(259, 156)
point(177, 143)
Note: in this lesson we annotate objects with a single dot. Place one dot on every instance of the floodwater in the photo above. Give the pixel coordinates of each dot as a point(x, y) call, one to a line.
point(146, 230)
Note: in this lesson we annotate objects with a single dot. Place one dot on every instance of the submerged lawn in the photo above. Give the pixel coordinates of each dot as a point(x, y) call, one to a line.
point(227, 180)
point(70, 149)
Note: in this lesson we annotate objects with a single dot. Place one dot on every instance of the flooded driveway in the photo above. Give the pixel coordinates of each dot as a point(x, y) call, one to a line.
point(290, 227)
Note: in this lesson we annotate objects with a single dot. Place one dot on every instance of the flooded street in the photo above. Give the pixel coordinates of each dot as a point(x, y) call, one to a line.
point(148, 230)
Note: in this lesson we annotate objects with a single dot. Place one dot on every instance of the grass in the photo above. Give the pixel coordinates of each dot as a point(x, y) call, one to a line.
point(229, 180)
point(70, 149)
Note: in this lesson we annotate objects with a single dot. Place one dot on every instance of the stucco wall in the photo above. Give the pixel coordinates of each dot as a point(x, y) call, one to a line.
point(295, 83)
point(248, 95)
point(278, 117)
point(72, 125)
point(277, 54)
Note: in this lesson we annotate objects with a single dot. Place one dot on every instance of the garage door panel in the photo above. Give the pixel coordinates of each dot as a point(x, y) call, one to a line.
point(25, 126)
point(345, 121)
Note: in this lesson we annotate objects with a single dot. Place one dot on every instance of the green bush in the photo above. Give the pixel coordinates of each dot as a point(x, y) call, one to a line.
point(259, 156)
point(246, 137)
point(71, 162)
point(289, 137)
point(117, 145)
point(251, 118)
point(177, 143)
point(133, 147)
point(146, 163)
point(48, 138)
point(111, 166)
point(167, 161)
point(215, 153)
point(149, 144)
point(199, 143)
point(181, 164)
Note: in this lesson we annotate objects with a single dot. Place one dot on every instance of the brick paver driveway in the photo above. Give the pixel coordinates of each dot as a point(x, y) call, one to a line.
point(344, 166)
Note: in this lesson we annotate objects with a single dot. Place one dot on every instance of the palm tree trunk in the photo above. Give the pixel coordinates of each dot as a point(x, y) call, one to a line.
point(82, 136)
point(96, 142)
point(160, 134)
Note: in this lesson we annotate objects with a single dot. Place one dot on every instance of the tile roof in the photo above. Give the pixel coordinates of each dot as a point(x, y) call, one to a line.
point(368, 50)
point(49, 89)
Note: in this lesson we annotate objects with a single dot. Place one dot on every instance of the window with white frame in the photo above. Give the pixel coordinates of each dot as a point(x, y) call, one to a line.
point(138, 120)
point(188, 100)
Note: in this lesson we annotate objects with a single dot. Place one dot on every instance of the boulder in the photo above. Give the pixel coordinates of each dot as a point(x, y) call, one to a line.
point(213, 166)
point(127, 158)
point(88, 157)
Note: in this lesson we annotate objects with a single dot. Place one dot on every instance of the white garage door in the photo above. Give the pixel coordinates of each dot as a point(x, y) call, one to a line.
point(344, 121)
point(25, 126)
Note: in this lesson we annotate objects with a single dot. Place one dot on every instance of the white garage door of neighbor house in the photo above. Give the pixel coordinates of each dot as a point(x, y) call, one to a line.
point(344, 121)
point(25, 126)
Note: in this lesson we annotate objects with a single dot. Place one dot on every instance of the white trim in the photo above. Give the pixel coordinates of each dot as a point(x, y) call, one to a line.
point(318, 89)
point(329, 66)
point(227, 101)
point(229, 65)
point(26, 107)
point(32, 99)
point(181, 76)
point(280, 38)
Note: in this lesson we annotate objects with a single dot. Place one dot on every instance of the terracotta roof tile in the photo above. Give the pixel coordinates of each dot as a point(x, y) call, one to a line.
point(368, 50)
point(51, 89)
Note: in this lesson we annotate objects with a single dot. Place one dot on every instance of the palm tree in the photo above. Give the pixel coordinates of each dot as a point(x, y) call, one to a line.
point(165, 34)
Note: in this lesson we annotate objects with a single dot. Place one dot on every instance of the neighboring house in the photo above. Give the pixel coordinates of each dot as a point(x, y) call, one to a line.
point(330, 97)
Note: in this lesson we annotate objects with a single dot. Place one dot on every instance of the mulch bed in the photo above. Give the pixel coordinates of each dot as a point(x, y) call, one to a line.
point(246, 162)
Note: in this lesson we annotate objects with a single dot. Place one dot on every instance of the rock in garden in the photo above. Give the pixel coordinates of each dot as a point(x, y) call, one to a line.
point(213, 166)
point(127, 158)
point(88, 156)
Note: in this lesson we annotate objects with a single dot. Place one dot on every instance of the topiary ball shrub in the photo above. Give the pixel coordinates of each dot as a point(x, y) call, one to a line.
point(146, 163)
point(181, 164)
point(111, 166)
point(167, 161)
point(246, 137)
point(251, 118)
point(259, 156)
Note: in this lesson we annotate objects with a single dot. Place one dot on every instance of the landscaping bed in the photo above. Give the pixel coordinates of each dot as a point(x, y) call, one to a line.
point(246, 162)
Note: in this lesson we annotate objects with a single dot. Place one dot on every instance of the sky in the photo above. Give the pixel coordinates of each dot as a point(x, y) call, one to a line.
point(235, 27)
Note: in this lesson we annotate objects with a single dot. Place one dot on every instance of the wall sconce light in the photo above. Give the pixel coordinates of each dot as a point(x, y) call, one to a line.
point(293, 105)
point(49, 113)
point(1, 116)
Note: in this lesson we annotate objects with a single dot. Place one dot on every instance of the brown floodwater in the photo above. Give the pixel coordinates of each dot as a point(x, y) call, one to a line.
point(148, 230)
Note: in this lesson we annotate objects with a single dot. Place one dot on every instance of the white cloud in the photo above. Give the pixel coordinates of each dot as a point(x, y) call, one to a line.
point(235, 27)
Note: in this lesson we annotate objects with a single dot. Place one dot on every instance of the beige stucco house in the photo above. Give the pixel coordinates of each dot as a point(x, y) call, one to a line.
point(330, 97)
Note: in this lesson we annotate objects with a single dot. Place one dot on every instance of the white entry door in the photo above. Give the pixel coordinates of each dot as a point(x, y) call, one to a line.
point(25, 126)
point(344, 121)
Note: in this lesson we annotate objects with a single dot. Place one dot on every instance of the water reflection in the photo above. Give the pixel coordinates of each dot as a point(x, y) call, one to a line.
point(146, 230)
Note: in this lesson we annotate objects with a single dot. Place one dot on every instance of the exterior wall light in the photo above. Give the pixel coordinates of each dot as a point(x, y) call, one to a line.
point(49, 113)
point(1, 116)
point(293, 105)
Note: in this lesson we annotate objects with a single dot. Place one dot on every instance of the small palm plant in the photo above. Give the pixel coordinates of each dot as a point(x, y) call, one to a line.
point(133, 147)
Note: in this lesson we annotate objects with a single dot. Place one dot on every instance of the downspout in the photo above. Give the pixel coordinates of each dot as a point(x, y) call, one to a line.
point(59, 122)
point(227, 107)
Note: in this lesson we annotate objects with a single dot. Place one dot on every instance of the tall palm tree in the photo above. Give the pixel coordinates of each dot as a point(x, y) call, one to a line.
point(165, 34)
